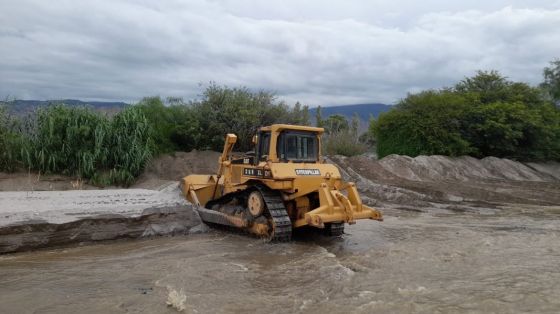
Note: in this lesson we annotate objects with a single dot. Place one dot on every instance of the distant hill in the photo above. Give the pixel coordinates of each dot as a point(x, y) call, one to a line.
point(25, 106)
point(363, 111)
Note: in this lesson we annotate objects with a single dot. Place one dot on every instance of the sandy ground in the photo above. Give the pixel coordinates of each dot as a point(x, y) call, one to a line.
point(159, 172)
point(38, 219)
point(42, 211)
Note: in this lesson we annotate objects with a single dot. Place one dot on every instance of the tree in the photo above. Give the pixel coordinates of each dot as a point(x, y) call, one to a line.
point(305, 116)
point(484, 115)
point(318, 118)
point(300, 114)
point(161, 121)
point(241, 111)
point(335, 124)
point(355, 125)
point(490, 87)
point(551, 83)
point(427, 123)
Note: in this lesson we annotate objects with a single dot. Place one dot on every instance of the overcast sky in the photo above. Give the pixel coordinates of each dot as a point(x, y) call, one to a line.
point(317, 52)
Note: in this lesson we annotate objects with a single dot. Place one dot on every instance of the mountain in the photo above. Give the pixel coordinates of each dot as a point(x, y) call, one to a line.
point(25, 106)
point(363, 111)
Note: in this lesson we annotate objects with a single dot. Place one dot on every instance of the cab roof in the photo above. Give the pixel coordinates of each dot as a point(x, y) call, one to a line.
point(282, 127)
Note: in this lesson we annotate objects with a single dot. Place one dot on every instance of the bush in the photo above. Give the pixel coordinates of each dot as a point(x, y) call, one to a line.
point(11, 143)
point(485, 115)
point(424, 124)
point(69, 140)
point(130, 146)
point(225, 110)
point(343, 143)
point(174, 126)
point(78, 141)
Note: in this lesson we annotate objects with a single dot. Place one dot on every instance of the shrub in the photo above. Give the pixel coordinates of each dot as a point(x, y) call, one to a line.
point(11, 142)
point(482, 116)
point(129, 146)
point(424, 124)
point(238, 110)
point(343, 143)
point(69, 140)
point(78, 141)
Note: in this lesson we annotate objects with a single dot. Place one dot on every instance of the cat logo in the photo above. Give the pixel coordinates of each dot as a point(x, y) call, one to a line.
point(308, 172)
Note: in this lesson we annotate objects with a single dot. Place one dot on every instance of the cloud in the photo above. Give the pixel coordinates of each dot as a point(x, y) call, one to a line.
point(368, 51)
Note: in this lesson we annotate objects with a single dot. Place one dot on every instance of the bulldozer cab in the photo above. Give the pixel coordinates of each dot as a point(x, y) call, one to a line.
point(288, 143)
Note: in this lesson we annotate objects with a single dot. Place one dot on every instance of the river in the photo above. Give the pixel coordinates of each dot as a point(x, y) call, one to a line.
point(431, 261)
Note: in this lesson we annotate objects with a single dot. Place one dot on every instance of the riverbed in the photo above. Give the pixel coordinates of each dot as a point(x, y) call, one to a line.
point(503, 260)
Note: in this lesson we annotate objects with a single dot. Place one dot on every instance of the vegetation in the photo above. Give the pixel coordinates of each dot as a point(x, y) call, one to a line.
point(340, 137)
point(78, 141)
point(551, 83)
point(238, 110)
point(173, 124)
point(10, 142)
point(343, 143)
point(484, 115)
point(203, 124)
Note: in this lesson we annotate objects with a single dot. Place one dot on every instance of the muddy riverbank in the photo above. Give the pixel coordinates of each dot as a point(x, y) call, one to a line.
point(414, 262)
point(42, 219)
point(460, 236)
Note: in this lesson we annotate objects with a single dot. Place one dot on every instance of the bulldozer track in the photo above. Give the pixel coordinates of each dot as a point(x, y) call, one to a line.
point(335, 229)
point(282, 225)
point(276, 212)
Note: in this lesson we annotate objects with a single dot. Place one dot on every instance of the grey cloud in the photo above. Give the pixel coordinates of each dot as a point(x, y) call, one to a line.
point(369, 51)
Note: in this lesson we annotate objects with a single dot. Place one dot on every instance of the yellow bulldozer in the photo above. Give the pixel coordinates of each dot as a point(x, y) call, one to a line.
point(283, 184)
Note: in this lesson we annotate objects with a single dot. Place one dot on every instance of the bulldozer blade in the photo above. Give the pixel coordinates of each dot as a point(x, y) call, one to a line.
point(215, 217)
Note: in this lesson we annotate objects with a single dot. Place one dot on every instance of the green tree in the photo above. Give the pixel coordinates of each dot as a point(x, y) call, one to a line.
point(173, 123)
point(485, 115)
point(161, 121)
point(551, 83)
point(427, 123)
point(236, 110)
point(300, 114)
point(305, 120)
point(319, 118)
point(335, 124)
point(490, 87)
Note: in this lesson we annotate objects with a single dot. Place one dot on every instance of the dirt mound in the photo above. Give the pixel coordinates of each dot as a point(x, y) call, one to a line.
point(21, 181)
point(179, 164)
point(158, 173)
point(462, 182)
point(437, 168)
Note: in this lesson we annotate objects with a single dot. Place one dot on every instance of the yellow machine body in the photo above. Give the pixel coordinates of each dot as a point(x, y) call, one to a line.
point(287, 165)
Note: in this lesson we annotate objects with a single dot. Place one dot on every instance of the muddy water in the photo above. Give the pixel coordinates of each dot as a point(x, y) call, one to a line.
point(436, 261)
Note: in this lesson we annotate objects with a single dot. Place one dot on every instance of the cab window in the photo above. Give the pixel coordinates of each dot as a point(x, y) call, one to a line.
point(263, 146)
point(298, 146)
